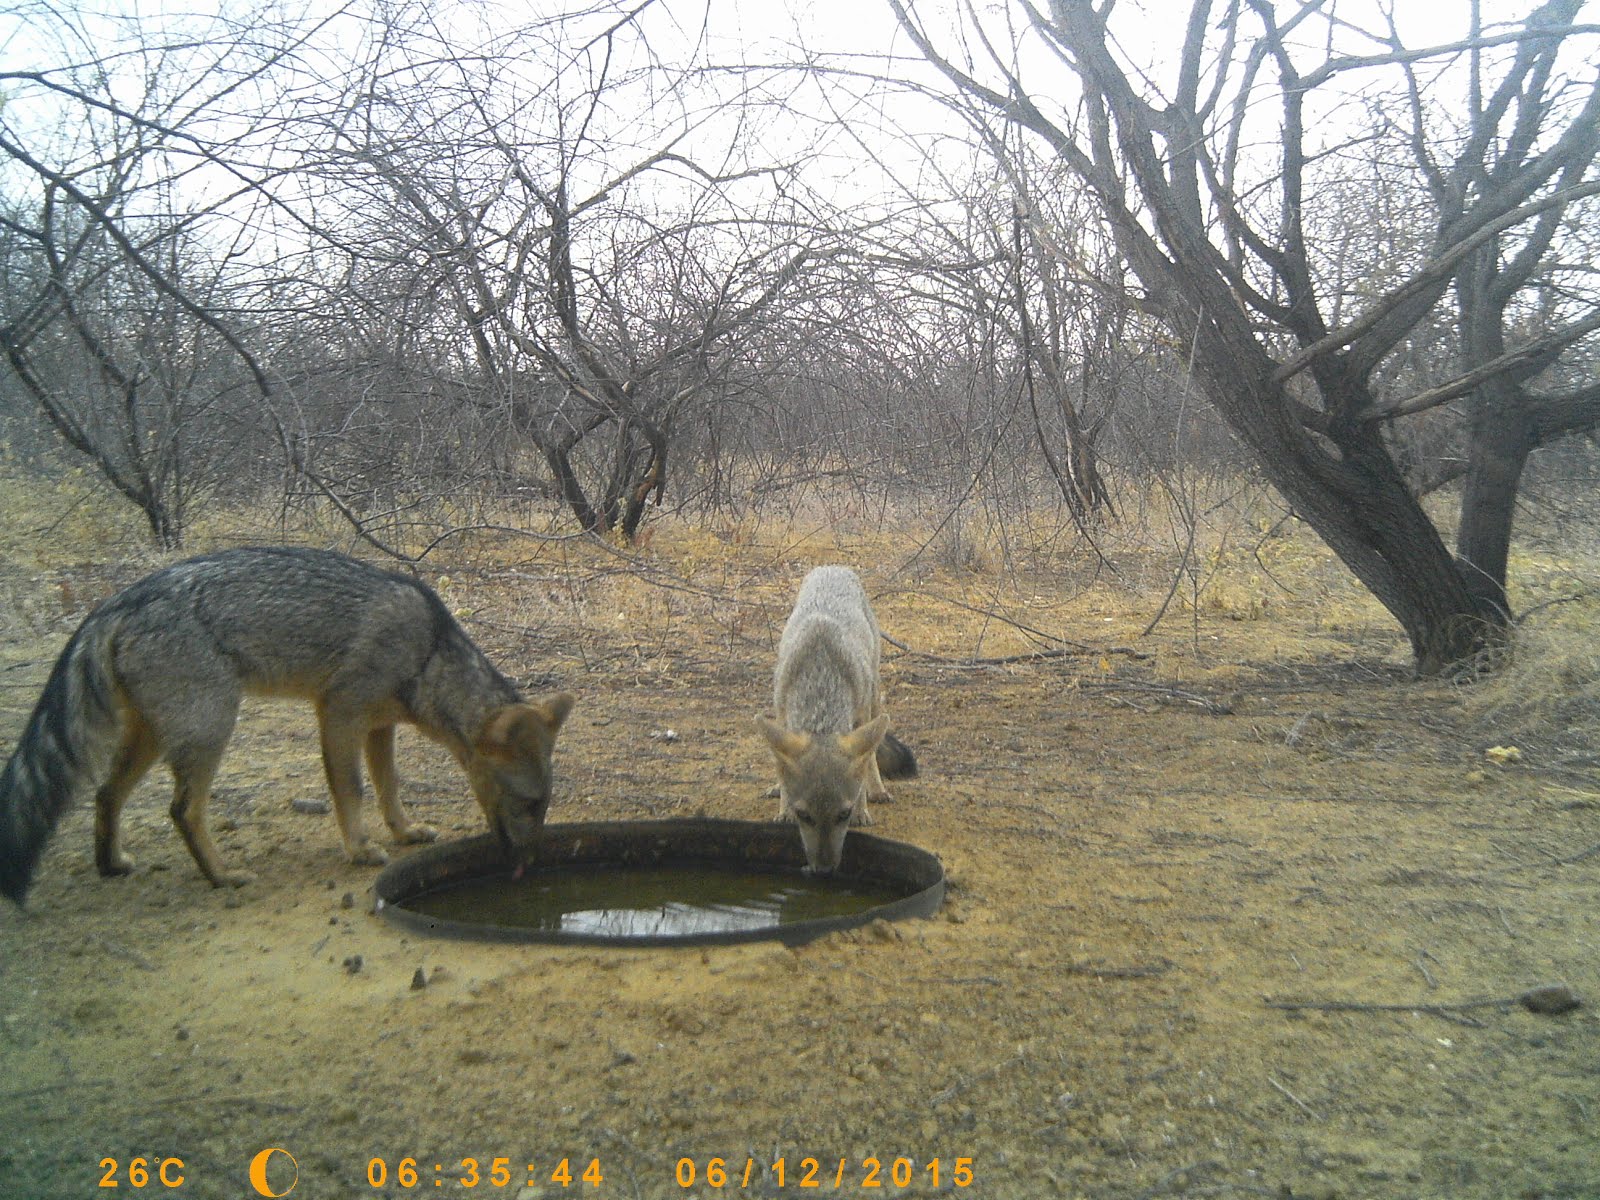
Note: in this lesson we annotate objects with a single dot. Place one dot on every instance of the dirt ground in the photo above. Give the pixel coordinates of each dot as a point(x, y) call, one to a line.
point(1148, 839)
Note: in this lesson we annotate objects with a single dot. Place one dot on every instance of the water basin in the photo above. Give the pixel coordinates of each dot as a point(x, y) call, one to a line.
point(652, 883)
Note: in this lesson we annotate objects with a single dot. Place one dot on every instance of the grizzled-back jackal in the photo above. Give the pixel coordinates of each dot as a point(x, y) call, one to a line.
point(158, 670)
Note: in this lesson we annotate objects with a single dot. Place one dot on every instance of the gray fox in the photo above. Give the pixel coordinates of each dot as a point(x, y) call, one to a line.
point(831, 738)
point(157, 671)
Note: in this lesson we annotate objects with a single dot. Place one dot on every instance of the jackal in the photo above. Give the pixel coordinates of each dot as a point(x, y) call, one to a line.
point(158, 670)
point(831, 738)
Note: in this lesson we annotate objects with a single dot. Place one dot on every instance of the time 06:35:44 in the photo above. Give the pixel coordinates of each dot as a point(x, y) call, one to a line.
point(469, 1172)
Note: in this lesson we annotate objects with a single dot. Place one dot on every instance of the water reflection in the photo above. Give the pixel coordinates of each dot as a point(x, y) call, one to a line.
point(678, 901)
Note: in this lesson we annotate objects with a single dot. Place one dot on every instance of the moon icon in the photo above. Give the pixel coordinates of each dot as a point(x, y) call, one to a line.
point(258, 1172)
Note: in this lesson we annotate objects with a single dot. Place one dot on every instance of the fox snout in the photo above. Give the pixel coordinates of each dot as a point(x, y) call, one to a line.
point(517, 827)
point(823, 841)
point(510, 767)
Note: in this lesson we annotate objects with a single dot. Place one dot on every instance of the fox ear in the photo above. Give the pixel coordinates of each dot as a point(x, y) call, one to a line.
point(515, 723)
point(553, 710)
point(785, 745)
point(506, 728)
point(863, 740)
point(500, 730)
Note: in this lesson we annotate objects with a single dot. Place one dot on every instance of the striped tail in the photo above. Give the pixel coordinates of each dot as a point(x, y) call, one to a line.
point(64, 748)
point(895, 760)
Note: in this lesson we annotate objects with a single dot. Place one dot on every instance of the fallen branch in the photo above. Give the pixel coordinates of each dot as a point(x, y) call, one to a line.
point(1026, 656)
point(1303, 1106)
point(1217, 708)
point(1134, 971)
point(962, 1084)
point(1550, 999)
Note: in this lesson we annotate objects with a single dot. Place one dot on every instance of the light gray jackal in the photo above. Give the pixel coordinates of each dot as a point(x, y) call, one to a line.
point(831, 738)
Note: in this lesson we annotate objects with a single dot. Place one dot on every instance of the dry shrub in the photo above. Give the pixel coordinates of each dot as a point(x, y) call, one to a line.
point(1546, 697)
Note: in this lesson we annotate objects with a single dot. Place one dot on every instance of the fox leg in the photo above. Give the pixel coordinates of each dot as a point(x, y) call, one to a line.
point(341, 759)
point(386, 783)
point(139, 749)
point(188, 709)
point(875, 792)
point(193, 769)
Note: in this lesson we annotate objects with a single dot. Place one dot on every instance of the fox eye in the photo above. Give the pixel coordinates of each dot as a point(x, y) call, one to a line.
point(804, 818)
point(844, 815)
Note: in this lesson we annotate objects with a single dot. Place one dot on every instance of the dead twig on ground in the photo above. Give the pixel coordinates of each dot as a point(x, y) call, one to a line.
point(1067, 645)
point(117, 950)
point(1131, 971)
point(1301, 1104)
point(1217, 708)
point(961, 1085)
point(1552, 860)
point(1550, 999)
point(1005, 660)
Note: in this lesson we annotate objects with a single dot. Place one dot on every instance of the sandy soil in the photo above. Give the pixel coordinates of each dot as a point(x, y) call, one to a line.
point(1133, 873)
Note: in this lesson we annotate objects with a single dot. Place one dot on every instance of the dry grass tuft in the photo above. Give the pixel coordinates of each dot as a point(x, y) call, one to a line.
point(1546, 698)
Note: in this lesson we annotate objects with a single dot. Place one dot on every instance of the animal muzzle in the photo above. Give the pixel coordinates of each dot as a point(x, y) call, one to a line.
point(516, 833)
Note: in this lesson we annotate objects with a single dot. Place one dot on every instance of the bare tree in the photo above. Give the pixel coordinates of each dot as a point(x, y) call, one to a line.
point(1223, 242)
point(116, 310)
point(547, 207)
point(115, 365)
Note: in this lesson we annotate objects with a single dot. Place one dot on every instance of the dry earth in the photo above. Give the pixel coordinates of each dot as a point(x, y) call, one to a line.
point(1143, 850)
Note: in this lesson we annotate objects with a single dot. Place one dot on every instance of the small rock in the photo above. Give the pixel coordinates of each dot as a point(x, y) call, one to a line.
point(419, 980)
point(352, 964)
point(1551, 999)
point(348, 900)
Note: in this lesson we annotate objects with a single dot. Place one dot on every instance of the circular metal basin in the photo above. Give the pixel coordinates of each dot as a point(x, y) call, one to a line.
point(655, 883)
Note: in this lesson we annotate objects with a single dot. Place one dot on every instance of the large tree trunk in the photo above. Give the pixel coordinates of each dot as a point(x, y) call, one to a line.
point(1501, 440)
point(1347, 487)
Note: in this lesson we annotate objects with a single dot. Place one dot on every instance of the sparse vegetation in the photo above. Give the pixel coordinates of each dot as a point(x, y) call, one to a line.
point(1146, 834)
point(1150, 420)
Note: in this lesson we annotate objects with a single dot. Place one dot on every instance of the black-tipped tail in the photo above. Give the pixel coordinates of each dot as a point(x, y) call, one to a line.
point(895, 760)
point(59, 752)
point(27, 815)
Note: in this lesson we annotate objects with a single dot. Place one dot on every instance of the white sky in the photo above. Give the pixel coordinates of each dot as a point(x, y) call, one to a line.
point(841, 162)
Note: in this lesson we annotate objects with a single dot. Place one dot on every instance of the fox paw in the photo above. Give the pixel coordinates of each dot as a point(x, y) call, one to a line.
point(369, 854)
point(861, 816)
point(121, 864)
point(413, 834)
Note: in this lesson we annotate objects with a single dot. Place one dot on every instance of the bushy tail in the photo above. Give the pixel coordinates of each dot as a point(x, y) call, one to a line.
point(895, 760)
point(65, 746)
